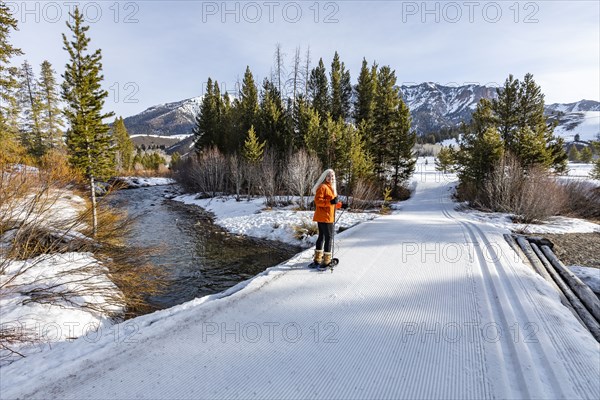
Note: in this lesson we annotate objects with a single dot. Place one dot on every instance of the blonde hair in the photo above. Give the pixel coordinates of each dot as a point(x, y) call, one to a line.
point(321, 180)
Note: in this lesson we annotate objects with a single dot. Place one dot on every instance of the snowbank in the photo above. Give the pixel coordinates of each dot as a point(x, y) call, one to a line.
point(250, 218)
point(55, 298)
point(52, 297)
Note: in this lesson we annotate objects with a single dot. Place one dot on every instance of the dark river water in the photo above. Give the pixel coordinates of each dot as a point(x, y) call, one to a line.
point(199, 257)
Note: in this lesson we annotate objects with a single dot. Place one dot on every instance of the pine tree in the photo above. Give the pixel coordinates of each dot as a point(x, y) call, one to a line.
point(479, 152)
point(574, 155)
point(364, 104)
point(506, 109)
point(526, 133)
point(253, 149)
point(123, 145)
point(341, 89)
point(31, 106)
point(400, 151)
point(8, 83)
point(595, 172)
point(315, 138)
point(445, 159)
point(246, 107)
point(88, 138)
point(586, 155)
point(295, 80)
point(318, 90)
point(50, 120)
point(352, 161)
point(387, 100)
point(480, 148)
point(206, 130)
point(273, 117)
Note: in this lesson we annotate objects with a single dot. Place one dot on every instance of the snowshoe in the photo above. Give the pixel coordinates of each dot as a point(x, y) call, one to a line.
point(333, 263)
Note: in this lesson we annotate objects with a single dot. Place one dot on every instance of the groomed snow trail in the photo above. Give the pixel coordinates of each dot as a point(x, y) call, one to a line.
point(424, 304)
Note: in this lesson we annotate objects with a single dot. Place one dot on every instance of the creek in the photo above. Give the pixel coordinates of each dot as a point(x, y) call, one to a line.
point(198, 257)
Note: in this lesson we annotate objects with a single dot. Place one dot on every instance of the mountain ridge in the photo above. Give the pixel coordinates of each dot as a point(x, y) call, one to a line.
point(432, 106)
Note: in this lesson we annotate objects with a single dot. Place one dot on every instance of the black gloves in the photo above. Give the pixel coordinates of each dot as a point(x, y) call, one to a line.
point(344, 206)
point(334, 200)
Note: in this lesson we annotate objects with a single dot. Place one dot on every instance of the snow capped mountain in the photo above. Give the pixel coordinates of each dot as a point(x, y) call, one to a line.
point(169, 119)
point(432, 108)
point(580, 106)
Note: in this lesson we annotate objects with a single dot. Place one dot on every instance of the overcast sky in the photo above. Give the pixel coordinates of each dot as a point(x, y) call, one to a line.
point(162, 51)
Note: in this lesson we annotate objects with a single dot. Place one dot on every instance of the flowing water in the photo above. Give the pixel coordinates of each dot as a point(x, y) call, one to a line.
point(199, 257)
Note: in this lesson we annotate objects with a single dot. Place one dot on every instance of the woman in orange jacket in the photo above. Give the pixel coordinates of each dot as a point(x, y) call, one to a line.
point(326, 201)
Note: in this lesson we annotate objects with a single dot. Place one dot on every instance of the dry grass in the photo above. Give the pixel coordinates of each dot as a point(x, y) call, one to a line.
point(305, 229)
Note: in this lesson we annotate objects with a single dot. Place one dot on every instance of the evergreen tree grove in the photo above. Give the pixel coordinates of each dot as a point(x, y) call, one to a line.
point(88, 140)
point(514, 124)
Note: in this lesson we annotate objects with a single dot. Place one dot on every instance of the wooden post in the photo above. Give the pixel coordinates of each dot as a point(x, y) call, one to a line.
point(588, 298)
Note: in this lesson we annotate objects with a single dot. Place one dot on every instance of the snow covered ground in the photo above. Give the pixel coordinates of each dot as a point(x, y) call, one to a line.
point(426, 303)
point(588, 127)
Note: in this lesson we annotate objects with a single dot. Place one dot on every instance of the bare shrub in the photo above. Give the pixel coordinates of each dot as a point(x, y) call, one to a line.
point(205, 173)
point(501, 187)
point(583, 199)
point(366, 194)
point(532, 194)
point(269, 174)
point(236, 174)
point(301, 171)
point(540, 198)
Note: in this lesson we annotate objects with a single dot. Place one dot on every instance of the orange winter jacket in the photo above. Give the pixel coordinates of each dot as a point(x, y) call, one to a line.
point(324, 211)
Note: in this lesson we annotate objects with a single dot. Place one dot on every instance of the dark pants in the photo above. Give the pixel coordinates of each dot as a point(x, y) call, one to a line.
point(325, 234)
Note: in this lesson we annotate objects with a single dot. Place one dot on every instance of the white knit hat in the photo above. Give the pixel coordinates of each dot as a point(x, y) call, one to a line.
point(322, 179)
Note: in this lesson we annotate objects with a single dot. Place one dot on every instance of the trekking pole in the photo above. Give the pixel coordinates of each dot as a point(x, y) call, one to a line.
point(335, 261)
